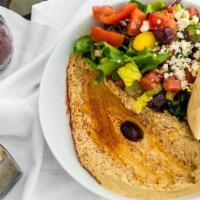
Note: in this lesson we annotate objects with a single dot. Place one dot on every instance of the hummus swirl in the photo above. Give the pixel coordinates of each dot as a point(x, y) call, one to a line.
point(164, 164)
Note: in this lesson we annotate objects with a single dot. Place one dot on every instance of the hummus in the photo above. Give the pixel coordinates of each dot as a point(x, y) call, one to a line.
point(164, 164)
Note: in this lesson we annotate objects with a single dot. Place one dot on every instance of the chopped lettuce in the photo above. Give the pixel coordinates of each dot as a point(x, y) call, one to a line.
point(179, 7)
point(143, 100)
point(192, 31)
point(140, 5)
point(150, 7)
point(113, 53)
point(155, 6)
point(107, 66)
point(129, 74)
point(91, 63)
point(115, 76)
point(178, 107)
point(112, 60)
point(130, 51)
point(148, 60)
point(83, 45)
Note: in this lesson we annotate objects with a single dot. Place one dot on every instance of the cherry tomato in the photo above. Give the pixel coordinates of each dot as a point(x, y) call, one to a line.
point(101, 35)
point(193, 12)
point(108, 15)
point(150, 80)
point(162, 20)
point(171, 84)
point(136, 21)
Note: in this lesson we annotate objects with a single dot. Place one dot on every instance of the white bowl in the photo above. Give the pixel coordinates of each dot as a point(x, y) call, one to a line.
point(52, 108)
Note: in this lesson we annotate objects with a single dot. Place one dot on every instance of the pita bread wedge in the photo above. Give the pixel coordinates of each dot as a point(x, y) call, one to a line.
point(193, 111)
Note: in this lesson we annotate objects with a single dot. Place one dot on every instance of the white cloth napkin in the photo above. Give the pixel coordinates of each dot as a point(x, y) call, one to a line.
point(20, 130)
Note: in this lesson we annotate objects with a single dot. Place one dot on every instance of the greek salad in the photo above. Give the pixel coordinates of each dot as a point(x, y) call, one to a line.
point(151, 51)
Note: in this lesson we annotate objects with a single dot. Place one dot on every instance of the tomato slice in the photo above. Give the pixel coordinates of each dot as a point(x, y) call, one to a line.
point(188, 76)
point(162, 20)
point(98, 11)
point(171, 84)
point(108, 15)
point(136, 21)
point(193, 12)
point(101, 35)
point(150, 80)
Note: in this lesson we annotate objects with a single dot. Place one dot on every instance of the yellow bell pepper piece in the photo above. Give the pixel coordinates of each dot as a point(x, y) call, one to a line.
point(144, 40)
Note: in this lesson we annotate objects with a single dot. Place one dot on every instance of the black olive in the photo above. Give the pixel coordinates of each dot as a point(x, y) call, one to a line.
point(131, 131)
point(165, 35)
point(159, 102)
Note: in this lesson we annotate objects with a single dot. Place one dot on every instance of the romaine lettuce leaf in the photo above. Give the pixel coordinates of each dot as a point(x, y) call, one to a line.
point(129, 74)
point(112, 60)
point(140, 5)
point(108, 66)
point(178, 107)
point(148, 60)
point(111, 52)
point(150, 7)
point(192, 31)
point(83, 44)
point(115, 76)
point(155, 6)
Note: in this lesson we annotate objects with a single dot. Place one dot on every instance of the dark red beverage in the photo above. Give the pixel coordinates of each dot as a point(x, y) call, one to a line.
point(6, 45)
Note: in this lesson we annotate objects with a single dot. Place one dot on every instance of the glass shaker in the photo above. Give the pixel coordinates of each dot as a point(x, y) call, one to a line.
point(6, 44)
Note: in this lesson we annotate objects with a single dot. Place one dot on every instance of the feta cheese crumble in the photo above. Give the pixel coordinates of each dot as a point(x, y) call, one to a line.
point(158, 21)
point(180, 35)
point(197, 45)
point(178, 47)
point(183, 19)
point(183, 23)
point(198, 32)
point(195, 19)
point(180, 61)
point(145, 26)
point(181, 14)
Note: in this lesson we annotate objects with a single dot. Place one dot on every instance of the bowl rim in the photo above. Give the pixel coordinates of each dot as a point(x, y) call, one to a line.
point(73, 25)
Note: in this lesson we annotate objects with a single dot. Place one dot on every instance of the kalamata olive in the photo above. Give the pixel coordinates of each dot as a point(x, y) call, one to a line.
point(165, 35)
point(158, 102)
point(131, 131)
